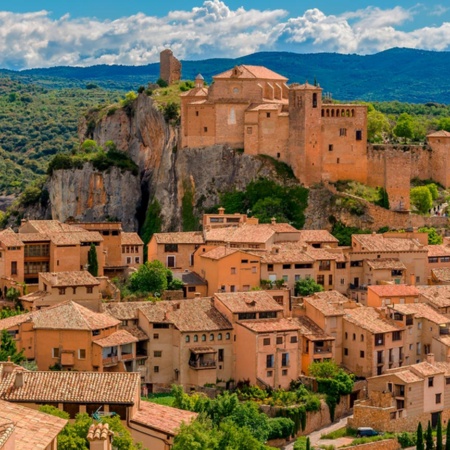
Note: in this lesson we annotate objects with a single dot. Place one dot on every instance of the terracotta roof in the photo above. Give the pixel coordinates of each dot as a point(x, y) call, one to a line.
point(14, 321)
point(440, 133)
point(71, 316)
point(200, 350)
point(130, 239)
point(315, 236)
point(73, 278)
point(385, 264)
point(123, 310)
point(311, 330)
point(99, 432)
point(220, 252)
point(32, 429)
point(407, 376)
point(34, 237)
point(438, 250)
point(442, 274)
point(322, 254)
point(186, 237)
point(50, 226)
point(197, 314)
point(394, 290)
point(74, 387)
point(34, 296)
point(370, 319)
point(195, 92)
point(162, 418)
point(426, 369)
point(190, 278)
point(288, 252)
point(329, 303)
point(6, 430)
point(120, 337)
point(251, 72)
point(10, 239)
point(271, 325)
point(437, 296)
point(379, 243)
point(421, 310)
point(137, 332)
point(305, 86)
point(252, 301)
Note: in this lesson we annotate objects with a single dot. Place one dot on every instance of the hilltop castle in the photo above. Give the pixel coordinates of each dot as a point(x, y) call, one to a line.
point(252, 108)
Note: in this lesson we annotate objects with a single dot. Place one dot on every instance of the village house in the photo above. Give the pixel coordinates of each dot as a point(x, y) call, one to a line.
point(193, 284)
point(437, 296)
point(155, 426)
point(440, 276)
point(438, 260)
point(404, 396)
point(391, 294)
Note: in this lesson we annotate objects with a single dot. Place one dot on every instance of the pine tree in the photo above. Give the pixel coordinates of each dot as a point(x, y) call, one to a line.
point(308, 444)
point(419, 444)
point(439, 443)
point(447, 437)
point(429, 438)
point(92, 261)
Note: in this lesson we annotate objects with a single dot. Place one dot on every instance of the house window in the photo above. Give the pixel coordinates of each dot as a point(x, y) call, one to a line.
point(447, 381)
point(354, 336)
point(157, 353)
point(284, 359)
point(345, 351)
point(362, 338)
point(361, 353)
point(269, 361)
point(191, 288)
point(219, 336)
point(196, 113)
point(359, 135)
point(203, 337)
point(55, 352)
point(269, 373)
point(156, 369)
point(279, 340)
point(13, 267)
point(61, 291)
point(268, 115)
point(82, 353)
point(171, 248)
point(205, 129)
point(220, 355)
point(396, 335)
point(211, 337)
point(187, 339)
point(171, 261)
point(379, 339)
point(155, 336)
point(89, 289)
point(284, 372)
point(128, 259)
point(330, 147)
point(195, 338)
point(293, 339)
point(321, 280)
point(330, 280)
point(137, 260)
point(233, 270)
point(438, 398)
point(227, 336)
point(266, 341)
point(343, 132)
point(314, 100)
point(270, 267)
point(430, 381)
point(286, 266)
point(433, 259)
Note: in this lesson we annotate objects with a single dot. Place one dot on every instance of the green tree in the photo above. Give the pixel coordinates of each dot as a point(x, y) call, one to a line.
point(173, 284)
point(404, 127)
point(434, 191)
point(420, 443)
point(199, 435)
point(378, 126)
point(308, 444)
point(151, 278)
point(8, 349)
point(267, 208)
point(429, 443)
point(92, 261)
point(247, 415)
point(447, 437)
point(307, 286)
point(434, 238)
point(439, 442)
point(421, 198)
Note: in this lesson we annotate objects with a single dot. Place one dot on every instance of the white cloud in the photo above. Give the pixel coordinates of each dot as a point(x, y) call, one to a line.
point(438, 10)
point(210, 30)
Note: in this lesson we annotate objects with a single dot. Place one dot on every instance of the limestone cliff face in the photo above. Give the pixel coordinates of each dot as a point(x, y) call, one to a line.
point(89, 195)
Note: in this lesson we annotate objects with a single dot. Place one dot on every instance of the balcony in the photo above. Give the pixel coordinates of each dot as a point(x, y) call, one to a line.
point(126, 356)
point(444, 330)
point(202, 364)
point(141, 353)
point(319, 349)
point(203, 358)
point(110, 361)
point(380, 360)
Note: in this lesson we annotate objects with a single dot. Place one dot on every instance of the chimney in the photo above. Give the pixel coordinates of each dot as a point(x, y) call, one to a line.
point(100, 437)
point(221, 210)
point(197, 295)
point(430, 358)
point(18, 382)
point(273, 221)
point(8, 367)
point(275, 250)
point(412, 279)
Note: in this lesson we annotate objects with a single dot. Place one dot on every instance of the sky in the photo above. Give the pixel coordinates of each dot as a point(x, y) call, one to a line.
point(46, 33)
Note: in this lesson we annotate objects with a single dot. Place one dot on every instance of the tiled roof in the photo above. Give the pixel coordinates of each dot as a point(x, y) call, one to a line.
point(407, 376)
point(99, 432)
point(252, 301)
point(73, 278)
point(120, 337)
point(10, 239)
point(437, 296)
point(329, 303)
point(71, 316)
point(394, 290)
point(426, 369)
point(50, 226)
point(379, 243)
point(162, 418)
point(315, 236)
point(219, 252)
point(442, 274)
point(311, 330)
point(34, 237)
point(197, 314)
point(186, 237)
point(438, 250)
point(130, 239)
point(440, 133)
point(189, 278)
point(269, 325)
point(34, 296)
point(123, 310)
point(251, 72)
point(32, 429)
point(288, 252)
point(137, 332)
point(322, 254)
point(14, 321)
point(74, 387)
point(370, 319)
point(6, 430)
point(385, 264)
point(421, 310)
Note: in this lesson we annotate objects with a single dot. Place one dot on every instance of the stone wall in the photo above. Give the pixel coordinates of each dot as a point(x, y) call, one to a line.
point(388, 444)
point(169, 67)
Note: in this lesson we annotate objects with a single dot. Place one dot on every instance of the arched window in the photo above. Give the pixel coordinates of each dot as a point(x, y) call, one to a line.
point(347, 113)
point(187, 338)
point(227, 336)
point(314, 100)
point(332, 113)
point(353, 113)
point(343, 113)
point(337, 113)
point(232, 117)
point(211, 337)
point(195, 338)
point(203, 337)
point(328, 113)
point(219, 337)
point(323, 113)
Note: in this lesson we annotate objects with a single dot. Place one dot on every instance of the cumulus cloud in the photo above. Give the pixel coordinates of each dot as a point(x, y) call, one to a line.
point(210, 30)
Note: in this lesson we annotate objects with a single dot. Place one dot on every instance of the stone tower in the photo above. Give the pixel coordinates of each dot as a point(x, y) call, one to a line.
point(305, 137)
point(169, 67)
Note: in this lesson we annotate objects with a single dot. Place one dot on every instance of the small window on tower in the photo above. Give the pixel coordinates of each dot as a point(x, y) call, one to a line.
point(358, 135)
point(205, 129)
point(268, 115)
point(330, 147)
point(196, 113)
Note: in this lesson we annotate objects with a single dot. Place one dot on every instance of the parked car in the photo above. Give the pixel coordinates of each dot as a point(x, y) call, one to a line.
point(366, 432)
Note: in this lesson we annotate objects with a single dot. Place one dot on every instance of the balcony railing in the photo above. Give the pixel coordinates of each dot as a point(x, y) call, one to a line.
point(324, 349)
point(202, 364)
point(110, 361)
point(127, 356)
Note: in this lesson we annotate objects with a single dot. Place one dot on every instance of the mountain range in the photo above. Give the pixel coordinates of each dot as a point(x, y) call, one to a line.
point(406, 75)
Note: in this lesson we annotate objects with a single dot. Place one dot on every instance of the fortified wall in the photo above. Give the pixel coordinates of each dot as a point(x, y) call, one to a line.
point(169, 67)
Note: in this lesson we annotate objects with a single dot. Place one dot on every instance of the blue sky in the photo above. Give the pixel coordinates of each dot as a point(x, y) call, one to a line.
point(47, 33)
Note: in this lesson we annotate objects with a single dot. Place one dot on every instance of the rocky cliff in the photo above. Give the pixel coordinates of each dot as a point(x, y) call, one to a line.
point(166, 174)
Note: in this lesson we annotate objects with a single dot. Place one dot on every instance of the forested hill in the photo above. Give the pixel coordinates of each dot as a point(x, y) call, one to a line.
point(415, 76)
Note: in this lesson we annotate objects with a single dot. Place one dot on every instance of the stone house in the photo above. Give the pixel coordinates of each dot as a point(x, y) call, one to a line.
point(391, 294)
point(437, 296)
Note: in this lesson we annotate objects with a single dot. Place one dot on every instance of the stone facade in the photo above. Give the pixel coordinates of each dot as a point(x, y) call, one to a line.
point(169, 67)
point(252, 108)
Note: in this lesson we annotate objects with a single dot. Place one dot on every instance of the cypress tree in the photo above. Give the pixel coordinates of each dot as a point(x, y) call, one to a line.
point(439, 443)
point(447, 437)
point(419, 444)
point(92, 261)
point(429, 438)
point(308, 444)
